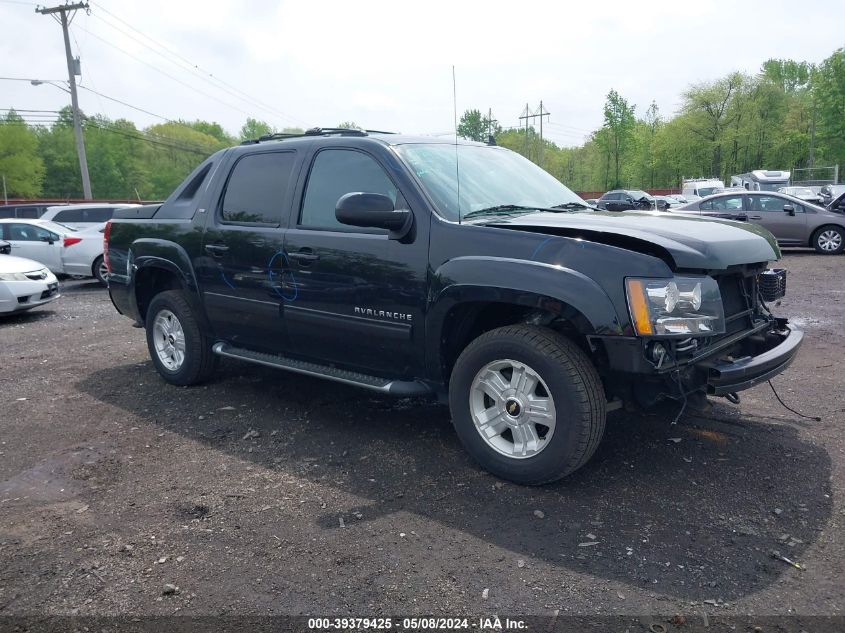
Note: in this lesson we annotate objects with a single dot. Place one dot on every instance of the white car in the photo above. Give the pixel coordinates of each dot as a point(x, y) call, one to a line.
point(25, 284)
point(60, 248)
point(83, 254)
point(82, 216)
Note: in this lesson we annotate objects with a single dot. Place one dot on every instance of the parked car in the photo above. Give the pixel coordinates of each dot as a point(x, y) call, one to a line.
point(83, 254)
point(829, 193)
point(701, 186)
point(679, 197)
point(803, 193)
point(792, 222)
point(626, 200)
point(27, 211)
point(347, 256)
point(837, 205)
point(64, 250)
point(666, 202)
point(80, 216)
point(24, 284)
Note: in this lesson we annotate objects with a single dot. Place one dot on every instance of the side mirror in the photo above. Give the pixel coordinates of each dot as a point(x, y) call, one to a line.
point(373, 211)
point(48, 239)
point(5, 248)
point(788, 208)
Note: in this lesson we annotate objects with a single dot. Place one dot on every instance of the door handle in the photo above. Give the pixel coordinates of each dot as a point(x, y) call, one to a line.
point(304, 257)
point(216, 250)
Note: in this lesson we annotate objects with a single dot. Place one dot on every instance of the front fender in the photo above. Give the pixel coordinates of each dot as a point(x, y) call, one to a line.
point(539, 285)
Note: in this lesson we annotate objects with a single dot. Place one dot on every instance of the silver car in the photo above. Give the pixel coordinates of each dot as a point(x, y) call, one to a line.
point(793, 222)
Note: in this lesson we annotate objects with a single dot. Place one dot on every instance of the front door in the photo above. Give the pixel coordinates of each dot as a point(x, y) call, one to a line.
point(241, 266)
point(36, 243)
point(788, 228)
point(359, 296)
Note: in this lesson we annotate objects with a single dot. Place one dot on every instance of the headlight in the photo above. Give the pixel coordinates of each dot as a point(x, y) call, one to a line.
point(682, 306)
point(23, 276)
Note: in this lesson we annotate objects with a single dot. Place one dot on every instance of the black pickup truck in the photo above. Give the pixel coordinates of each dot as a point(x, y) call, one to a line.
point(414, 266)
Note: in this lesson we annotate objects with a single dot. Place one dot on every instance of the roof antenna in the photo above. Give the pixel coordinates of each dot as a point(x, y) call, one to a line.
point(457, 168)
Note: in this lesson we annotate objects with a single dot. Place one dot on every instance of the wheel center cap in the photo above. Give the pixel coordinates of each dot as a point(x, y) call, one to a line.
point(513, 407)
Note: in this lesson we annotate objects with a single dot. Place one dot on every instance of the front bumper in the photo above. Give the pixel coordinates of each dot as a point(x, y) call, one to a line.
point(23, 295)
point(729, 376)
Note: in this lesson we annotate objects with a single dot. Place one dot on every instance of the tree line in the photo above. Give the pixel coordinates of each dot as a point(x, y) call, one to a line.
point(790, 115)
point(124, 162)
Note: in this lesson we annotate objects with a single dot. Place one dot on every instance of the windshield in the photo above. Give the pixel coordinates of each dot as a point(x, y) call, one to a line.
point(770, 186)
point(490, 178)
point(706, 191)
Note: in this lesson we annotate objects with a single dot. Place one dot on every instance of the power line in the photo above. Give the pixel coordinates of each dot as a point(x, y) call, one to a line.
point(128, 105)
point(166, 74)
point(194, 68)
point(147, 139)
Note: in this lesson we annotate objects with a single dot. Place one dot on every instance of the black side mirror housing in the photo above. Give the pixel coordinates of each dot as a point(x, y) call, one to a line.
point(5, 248)
point(49, 240)
point(788, 208)
point(373, 211)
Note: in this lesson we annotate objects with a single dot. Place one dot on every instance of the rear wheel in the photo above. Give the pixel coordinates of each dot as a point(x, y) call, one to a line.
point(829, 240)
point(527, 404)
point(100, 271)
point(180, 351)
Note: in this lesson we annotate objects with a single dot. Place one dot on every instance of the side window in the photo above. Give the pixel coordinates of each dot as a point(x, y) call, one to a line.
point(8, 212)
point(732, 203)
point(335, 173)
point(69, 215)
point(257, 188)
point(707, 205)
point(103, 214)
point(29, 233)
point(772, 204)
point(30, 213)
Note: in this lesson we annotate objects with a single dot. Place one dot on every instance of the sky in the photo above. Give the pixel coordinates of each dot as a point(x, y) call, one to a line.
point(388, 65)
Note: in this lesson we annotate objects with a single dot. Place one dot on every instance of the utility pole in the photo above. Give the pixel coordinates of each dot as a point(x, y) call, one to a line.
point(490, 122)
point(528, 114)
point(541, 113)
point(72, 71)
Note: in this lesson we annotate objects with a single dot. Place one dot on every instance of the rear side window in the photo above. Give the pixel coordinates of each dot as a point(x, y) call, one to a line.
point(257, 189)
point(70, 215)
point(28, 212)
point(8, 212)
point(98, 215)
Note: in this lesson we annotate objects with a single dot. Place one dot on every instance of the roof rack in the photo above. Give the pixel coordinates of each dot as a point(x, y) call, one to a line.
point(314, 131)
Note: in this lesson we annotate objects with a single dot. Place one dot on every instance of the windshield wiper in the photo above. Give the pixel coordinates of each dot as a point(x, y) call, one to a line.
point(500, 208)
point(572, 205)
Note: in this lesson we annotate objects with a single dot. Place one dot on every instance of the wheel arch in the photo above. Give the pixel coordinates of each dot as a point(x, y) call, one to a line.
point(539, 294)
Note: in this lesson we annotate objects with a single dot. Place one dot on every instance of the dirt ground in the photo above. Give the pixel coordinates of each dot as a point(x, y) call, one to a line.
point(269, 493)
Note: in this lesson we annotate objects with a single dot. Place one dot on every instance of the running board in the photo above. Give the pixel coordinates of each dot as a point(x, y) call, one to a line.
point(357, 379)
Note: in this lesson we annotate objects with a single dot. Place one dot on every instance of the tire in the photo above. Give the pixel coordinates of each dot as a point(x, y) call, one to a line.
point(97, 271)
point(564, 373)
point(197, 362)
point(826, 238)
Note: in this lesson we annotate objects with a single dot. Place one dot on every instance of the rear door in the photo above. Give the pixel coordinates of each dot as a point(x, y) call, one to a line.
point(788, 228)
point(35, 242)
point(241, 270)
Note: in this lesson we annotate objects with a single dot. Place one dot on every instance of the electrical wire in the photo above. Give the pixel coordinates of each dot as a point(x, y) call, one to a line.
point(189, 65)
point(147, 138)
point(166, 74)
point(788, 408)
point(123, 103)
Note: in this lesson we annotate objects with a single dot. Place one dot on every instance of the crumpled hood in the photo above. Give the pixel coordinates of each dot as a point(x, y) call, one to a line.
point(692, 242)
point(12, 264)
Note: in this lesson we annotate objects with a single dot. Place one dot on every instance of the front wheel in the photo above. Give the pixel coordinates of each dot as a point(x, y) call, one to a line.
point(829, 240)
point(180, 351)
point(527, 404)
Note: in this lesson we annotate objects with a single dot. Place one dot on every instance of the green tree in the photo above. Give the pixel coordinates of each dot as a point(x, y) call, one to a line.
point(253, 129)
point(619, 122)
point(709, 113)
point(20, 163)
point(829, 91)
point(472, 126)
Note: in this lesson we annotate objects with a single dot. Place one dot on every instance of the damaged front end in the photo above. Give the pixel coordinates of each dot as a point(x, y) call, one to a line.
point(717, 337)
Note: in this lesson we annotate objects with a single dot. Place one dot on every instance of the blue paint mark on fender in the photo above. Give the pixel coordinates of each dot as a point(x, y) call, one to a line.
point(286, 275)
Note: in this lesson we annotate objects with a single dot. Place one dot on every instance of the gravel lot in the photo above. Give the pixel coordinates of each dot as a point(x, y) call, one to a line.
point(269, 493)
